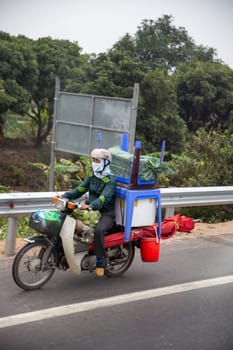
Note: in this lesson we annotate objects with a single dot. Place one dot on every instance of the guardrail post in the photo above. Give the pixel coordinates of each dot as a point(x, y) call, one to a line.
point(11, 236)
point(169, 212)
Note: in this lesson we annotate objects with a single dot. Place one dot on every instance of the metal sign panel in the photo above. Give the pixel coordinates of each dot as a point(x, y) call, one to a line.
point(84, 122)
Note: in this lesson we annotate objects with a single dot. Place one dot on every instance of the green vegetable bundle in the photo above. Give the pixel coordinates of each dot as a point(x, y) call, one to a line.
point(88, 217)
point(154, 169)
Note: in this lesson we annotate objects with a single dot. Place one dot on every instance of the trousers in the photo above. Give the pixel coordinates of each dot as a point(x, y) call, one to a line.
point(105, 224)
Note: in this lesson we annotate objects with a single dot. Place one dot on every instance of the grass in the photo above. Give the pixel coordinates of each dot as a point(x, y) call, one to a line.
point(16, 126)
point(23, 229)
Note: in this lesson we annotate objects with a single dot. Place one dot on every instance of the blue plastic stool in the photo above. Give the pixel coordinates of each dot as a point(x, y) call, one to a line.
point(130, 197)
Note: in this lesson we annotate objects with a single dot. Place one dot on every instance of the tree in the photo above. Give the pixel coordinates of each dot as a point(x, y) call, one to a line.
point(114, 74)
point(55, 58)
point(160, 43)
point(18, 74)
point(206, 160)
point(156, 48)
point(158, 118)
point(27, 77)
point(205, 95)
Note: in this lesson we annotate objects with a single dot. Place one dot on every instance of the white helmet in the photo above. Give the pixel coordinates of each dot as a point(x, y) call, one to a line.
point(101, 153)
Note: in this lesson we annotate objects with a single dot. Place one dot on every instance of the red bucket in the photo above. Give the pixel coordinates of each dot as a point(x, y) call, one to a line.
point(150, 248)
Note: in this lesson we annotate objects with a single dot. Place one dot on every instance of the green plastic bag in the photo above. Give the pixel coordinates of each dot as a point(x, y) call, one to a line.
point(150, 168)
point(122, 162)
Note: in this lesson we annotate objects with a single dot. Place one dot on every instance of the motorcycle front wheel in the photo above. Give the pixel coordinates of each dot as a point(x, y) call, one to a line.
point(28, 271)
point(120, 258)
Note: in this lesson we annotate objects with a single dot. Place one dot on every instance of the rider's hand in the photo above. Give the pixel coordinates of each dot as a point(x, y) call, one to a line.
point(84, 207)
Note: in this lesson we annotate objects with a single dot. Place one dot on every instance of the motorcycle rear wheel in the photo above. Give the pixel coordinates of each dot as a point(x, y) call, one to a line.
point(27, 266)
point(120, 259)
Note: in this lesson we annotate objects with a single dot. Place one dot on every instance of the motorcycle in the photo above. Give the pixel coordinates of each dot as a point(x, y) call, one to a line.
point(59, 247)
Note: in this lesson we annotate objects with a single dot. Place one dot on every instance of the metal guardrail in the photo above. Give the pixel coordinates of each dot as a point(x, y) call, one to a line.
point(23, 204)
point(19, 204)
point(13, 205)
point(196, 196)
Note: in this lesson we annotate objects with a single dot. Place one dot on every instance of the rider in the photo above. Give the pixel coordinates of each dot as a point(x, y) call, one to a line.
point(101, 187)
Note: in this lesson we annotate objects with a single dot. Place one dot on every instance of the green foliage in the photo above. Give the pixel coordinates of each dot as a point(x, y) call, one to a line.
point(23, 229)
point(27, 76)
point(114, 74)
point(158, 117)
point(206, 161)
point(209, 214)
point(160, 43)
point(16, 126)
point(3, 189)
point(153, 168)
point(3, 228)
point(18, 72)
point(68, 174)
point(28, 69)
point(205, 95)
point(55, 58)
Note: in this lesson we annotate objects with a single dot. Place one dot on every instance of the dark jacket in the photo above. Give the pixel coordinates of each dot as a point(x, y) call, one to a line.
point(101, 193)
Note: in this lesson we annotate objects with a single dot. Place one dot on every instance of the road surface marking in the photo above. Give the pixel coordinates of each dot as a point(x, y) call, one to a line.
point(64, 310)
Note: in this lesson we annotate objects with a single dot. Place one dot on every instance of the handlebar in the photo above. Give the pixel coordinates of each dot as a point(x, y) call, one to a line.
point(64, 203)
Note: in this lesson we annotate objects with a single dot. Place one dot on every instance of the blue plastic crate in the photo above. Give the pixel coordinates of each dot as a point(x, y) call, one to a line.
point(140, 182)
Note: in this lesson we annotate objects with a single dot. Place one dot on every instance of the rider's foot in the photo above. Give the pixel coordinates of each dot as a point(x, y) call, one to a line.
point(99, 267)
point(99, 271)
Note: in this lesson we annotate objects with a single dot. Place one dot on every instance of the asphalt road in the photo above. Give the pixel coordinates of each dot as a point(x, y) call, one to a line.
point(185, 301)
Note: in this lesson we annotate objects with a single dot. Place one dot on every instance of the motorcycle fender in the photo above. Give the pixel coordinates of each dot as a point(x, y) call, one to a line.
point(33, 239)
point(67, 237)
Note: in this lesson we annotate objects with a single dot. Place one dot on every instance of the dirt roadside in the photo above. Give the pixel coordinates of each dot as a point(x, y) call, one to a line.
point(201, 229)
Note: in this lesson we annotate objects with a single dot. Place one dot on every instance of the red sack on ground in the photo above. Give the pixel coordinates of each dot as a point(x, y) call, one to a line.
point(175, 218)
point(168, 229)
point(176, 223)
point(186, 224)
point(170, 225)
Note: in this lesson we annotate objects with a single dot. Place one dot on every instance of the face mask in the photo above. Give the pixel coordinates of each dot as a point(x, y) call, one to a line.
point(98, 167)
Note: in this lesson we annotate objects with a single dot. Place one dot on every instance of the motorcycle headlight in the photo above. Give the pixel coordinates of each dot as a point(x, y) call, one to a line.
point(61, 203)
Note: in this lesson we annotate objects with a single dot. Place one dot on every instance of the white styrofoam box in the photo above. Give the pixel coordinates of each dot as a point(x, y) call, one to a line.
point(144, 212)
